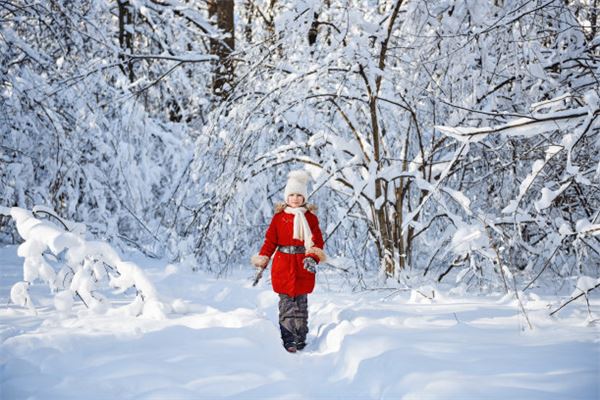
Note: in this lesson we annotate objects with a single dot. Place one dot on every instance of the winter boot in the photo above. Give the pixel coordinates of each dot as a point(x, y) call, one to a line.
point(291, 347)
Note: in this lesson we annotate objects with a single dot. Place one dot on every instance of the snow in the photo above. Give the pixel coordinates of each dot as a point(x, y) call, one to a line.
point(63, 301)
point(87, 264)
point(469, 238)
point(546, 103)
point(523, 127)
point(419, 344)
point(78, 228)
point(19, 294)
point(537, 166)
point(584, 284)
point(584, 226)
point(150, 158)
point(548, 196)
point(460, 198)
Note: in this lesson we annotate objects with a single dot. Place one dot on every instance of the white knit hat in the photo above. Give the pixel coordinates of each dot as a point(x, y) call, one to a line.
point(297, 184)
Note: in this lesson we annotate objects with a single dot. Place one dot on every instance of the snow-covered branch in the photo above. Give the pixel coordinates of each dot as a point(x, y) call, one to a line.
point(526, 126)
point(74, 267)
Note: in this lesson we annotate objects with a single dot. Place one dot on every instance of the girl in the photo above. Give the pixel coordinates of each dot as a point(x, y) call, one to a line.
point(295, 238)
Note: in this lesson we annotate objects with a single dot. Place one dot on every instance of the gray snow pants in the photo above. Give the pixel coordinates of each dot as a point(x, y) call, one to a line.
point(293, 318)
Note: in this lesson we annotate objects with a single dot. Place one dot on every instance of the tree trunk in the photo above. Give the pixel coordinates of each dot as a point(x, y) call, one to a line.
point(391, 238)
point(126, 36)
point(223, 11)
point(593, 20)
point(314, 30)
point(270, 20)
point(268, 16)
point(249, 14)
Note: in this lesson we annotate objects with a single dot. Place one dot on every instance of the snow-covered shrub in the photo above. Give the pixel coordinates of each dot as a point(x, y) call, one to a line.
point(543, 213)
point(81, 134)
point(359, 109)
point(57, 254)
point(122, 134)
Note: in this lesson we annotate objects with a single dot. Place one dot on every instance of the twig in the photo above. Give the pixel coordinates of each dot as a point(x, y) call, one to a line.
point(81, 298)
point(543, 268)
point(572, 299)
point(396, 291)
point(258, 276)
point(587, 301)
point(37, 214)
point(497, 253)
point(521, 303)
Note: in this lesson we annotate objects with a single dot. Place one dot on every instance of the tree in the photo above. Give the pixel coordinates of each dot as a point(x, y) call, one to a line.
point(126, 36)
point(170, 130)
point(223, 12)
point(360, 113)
point(77, 135)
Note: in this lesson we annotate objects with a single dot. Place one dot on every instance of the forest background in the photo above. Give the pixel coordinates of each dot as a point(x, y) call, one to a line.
point(451, 141)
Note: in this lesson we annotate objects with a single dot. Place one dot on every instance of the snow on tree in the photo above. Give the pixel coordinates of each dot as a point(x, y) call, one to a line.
point(453, 141)
point(360, 109)
point(90, 111)
point(73, 267)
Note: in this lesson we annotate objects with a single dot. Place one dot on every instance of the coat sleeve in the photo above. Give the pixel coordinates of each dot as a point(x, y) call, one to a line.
point(316, 251)
point(270, 244)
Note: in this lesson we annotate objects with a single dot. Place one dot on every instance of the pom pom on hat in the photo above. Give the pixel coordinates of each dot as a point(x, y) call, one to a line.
point(297, 184)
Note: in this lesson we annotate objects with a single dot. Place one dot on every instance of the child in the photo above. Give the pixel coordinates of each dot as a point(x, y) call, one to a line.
point(295, 238)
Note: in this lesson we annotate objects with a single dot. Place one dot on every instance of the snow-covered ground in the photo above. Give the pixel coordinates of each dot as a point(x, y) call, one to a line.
point(225, 343)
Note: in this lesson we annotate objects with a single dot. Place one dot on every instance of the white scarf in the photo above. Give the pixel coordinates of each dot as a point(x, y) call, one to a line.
point(301, 228)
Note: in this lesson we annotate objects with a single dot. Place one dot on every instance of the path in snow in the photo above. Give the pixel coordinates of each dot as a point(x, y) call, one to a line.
point(361, 346)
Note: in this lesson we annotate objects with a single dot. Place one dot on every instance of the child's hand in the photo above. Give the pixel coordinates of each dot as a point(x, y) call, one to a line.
point(310, 264)
point(259, 261)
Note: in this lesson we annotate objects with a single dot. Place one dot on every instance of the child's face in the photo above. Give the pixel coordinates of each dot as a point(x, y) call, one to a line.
point(295, 200)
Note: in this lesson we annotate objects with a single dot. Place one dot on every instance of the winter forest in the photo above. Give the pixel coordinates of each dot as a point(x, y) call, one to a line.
point(454, 154)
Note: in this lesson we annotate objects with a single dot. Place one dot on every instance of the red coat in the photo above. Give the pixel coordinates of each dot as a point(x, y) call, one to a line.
point(287, 272)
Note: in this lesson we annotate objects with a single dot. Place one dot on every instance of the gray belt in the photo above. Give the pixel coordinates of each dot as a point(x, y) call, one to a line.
point(292, 249)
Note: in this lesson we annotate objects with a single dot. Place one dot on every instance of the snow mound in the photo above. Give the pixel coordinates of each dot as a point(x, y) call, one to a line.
point(227, 344)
